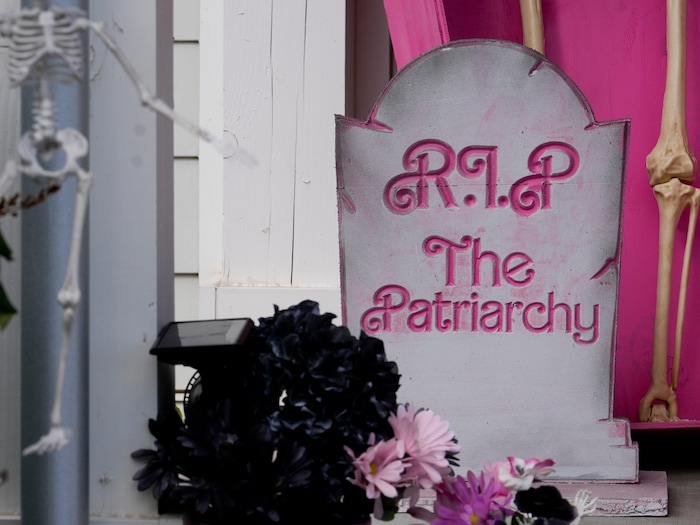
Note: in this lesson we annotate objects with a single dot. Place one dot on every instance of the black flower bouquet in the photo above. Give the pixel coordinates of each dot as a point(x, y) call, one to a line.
point(279, 430)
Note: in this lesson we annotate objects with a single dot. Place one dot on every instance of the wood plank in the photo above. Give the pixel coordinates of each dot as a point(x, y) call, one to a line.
point(211, 163)
point(255, 302)
point(186, 20)
point(316, 252)
point(252, 191)
point(186, 221)
point(186, 96)
point(186, 293)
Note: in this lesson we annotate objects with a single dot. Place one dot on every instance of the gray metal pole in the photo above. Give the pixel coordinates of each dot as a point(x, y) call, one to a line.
point(54, 486)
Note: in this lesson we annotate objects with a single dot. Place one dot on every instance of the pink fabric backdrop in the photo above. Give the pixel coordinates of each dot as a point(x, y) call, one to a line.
point(615, 51)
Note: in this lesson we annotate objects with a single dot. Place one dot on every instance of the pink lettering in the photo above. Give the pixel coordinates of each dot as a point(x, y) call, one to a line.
point(492, 311)
point(477, 257)
point(389, 299)
point(395, 311)
point(516, 267)
point(475, 312)
point(524, 195)
point(442, 323)
point(521, 261)
point(483, 161)
point(578, 336)
point(510, 308)
point(400, 198)
point(559, 306)
point(540, 308)
point(420, 319)
point(435, 245)
point(457, 308)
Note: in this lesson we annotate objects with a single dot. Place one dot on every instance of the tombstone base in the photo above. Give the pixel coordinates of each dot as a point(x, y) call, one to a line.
point(648, 497)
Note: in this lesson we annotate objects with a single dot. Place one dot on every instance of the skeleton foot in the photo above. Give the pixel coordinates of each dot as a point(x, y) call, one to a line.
point(57, 438)
point(659, 404)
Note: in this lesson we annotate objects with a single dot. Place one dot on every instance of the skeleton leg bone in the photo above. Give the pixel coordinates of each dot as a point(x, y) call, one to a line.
point(533, 29)
point(68, 297)
point(680, 316)
point(672, 157)
point(672, 198)
point(669, 164)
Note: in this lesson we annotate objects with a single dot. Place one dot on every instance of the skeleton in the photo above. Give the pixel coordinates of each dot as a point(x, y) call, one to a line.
point(46, 47)
point(672, 167)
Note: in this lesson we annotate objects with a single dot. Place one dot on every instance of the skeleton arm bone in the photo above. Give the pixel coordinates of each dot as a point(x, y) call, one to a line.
point(149, 99)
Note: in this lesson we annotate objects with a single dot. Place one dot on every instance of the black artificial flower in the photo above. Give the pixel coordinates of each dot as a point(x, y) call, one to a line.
point(547, 503)
point(264, 442)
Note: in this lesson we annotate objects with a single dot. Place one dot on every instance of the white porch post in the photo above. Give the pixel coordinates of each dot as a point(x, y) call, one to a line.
point(54, 486)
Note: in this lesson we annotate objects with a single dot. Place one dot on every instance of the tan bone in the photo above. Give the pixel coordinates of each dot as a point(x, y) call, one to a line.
point(671, 166)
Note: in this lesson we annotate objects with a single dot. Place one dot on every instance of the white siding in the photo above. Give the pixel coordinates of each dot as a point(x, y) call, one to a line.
point(268, 225)
point(186, 164)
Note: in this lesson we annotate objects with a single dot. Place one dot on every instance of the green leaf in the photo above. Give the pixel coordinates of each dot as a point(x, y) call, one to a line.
point(5, 250)
point(7, 311)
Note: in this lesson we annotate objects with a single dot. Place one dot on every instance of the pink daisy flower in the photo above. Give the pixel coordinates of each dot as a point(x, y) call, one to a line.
point(427, 439)
point(378, 469)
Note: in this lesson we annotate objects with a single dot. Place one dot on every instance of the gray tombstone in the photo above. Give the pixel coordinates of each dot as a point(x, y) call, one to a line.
point(480, 209)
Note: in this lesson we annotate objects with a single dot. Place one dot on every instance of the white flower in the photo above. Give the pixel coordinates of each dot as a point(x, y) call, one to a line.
point(518, 474)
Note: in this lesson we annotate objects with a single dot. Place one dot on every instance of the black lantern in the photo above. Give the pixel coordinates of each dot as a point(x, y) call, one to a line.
point(210, 347)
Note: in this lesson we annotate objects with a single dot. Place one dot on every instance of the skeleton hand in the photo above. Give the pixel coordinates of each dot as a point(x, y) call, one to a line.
point(585, 504)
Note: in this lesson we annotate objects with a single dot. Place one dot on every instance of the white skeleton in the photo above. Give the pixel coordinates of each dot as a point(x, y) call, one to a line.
point(46, 47)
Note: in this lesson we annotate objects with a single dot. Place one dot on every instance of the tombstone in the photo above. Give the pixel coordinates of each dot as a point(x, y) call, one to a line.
point(480, 210)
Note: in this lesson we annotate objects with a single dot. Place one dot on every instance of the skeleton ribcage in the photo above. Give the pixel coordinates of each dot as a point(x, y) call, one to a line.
point(44, 44)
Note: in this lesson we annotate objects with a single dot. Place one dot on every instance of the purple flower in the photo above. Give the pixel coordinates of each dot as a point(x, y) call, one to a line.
point(471, 501)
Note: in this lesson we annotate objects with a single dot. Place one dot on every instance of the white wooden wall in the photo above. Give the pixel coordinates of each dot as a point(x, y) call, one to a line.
point(186, 162)
point(273, 75)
